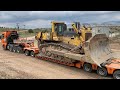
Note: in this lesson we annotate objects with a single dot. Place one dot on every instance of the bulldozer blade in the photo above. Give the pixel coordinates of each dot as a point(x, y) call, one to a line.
point(99, 49)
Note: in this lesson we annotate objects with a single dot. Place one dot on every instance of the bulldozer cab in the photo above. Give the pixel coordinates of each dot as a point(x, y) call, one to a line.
point(59, 28)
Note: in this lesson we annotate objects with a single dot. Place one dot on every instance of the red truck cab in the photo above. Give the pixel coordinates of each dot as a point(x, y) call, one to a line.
point(8, 37)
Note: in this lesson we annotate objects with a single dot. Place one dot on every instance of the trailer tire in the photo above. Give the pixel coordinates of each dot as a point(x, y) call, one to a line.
point(32, 54)
point(116, 74)
point(102, 71)
point(27, 53)
point(87, 67)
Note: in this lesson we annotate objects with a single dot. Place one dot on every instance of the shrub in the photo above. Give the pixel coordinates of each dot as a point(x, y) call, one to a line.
point(30, 31)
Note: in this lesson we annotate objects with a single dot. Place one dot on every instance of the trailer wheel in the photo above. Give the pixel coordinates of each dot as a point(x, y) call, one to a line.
point(102, 71)
point(32, 54)
point(87, 67)
point(116, 74)
point(27, 53)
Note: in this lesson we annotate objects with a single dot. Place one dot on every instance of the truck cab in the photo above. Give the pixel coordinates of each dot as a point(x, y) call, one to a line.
point(7, 37)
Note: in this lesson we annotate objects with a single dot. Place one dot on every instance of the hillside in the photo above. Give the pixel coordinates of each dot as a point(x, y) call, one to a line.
point(112, 22)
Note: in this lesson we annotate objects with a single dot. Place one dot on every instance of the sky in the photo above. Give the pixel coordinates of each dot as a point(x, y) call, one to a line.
point(42, 19)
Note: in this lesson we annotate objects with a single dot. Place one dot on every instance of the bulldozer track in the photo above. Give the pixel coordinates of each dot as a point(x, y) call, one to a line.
point(61, 47)
point(69, 48)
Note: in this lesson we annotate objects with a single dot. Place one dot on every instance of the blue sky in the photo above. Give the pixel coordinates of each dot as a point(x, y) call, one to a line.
point(39, 19)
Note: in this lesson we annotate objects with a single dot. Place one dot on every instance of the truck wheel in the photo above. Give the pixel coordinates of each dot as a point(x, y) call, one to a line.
point(4, 48)
point(19, 50)
point(11, 49)
point(116, 74)
point(14, 49)
point(32, 54)
point(8, 47)
point(87, 67)
point(27, 53)
point(102, 71)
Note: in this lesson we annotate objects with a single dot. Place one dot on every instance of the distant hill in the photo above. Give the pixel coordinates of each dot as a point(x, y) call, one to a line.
point(112, 22)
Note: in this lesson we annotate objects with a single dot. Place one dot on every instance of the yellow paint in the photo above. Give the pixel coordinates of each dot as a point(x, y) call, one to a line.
point(74, 41)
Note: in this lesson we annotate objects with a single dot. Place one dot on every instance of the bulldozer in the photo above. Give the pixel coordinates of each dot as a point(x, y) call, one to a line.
point(61, 39)
point(60, 33)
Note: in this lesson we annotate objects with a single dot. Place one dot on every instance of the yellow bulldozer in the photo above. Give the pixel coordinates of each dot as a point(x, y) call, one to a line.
point(61, 37)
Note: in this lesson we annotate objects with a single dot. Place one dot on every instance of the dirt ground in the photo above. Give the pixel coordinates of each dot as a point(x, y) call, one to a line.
point(19, 66)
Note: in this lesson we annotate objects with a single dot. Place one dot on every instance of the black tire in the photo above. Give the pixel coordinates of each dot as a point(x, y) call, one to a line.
point(4, 48)
point(27, 53)
point(19, 50)
point(102, 71)
point(8, 47)
point(87, 67)
point(11, 49)
point(32, 54)
point(116, 74)
point(14, 49)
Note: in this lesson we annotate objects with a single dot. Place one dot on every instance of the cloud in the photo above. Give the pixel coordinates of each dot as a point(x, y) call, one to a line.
point(38, 23)
point(37, 19)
